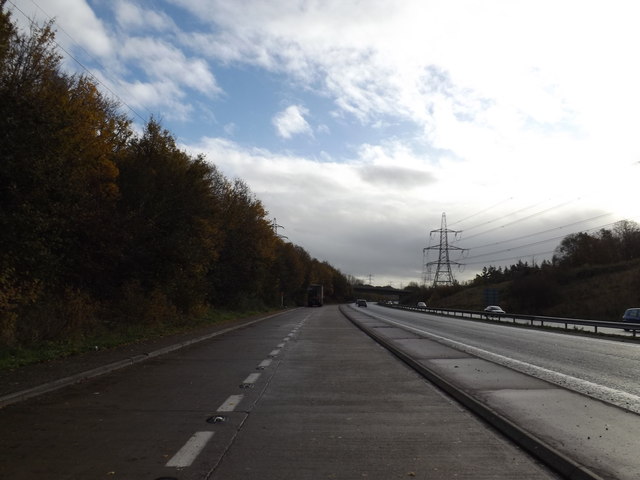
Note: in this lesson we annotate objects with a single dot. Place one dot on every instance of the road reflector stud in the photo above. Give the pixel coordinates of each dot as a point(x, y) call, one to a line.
point(217, 419)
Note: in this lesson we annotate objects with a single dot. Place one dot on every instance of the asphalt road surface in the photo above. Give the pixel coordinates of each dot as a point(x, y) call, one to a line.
point(598, 367)
point(303, 395)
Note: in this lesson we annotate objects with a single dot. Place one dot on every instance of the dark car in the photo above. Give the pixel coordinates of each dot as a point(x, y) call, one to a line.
point(632, 315)
point(361, 303)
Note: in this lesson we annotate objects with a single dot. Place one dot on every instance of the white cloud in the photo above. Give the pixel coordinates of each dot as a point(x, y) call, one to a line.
point(75, 23)
point(351, 214)
point(162, 61)
point(492, 54)
point(518, 99)
point(291, 121)
point(132, 16)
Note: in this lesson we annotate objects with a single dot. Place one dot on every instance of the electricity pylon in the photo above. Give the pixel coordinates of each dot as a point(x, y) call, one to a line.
point(443, 275)
point(275, 227)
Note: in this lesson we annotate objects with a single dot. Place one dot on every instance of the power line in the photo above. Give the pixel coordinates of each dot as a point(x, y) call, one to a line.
point(519, 257)
point(503, 216)
point(547, 210)
point(547, 231)
point(514, 248)
point(529, 245)
point(482, 211)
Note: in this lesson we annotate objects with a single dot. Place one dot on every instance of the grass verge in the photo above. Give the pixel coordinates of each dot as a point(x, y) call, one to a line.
point(108, 337)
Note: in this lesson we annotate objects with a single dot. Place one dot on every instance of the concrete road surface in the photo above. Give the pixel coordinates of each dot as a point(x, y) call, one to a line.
point(302, 395)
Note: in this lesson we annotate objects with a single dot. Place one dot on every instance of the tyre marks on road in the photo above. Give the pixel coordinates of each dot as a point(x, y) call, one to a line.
point(199, 440)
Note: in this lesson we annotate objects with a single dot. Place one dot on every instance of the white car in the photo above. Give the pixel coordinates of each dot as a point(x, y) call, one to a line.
point(421, 305)
point(494, 309)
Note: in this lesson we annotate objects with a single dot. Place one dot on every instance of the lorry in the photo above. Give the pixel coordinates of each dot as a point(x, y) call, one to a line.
point(315, 295)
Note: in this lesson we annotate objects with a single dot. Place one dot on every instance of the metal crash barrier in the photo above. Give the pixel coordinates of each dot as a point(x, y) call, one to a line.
point(532, 320)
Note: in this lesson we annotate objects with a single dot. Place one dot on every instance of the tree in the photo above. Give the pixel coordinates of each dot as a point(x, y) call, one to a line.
point(100, 225)
point(628, 234)
point(247, 252)
point(169, 209)
point(575, 250)
point(57, 177)
point(532, 293)
point(288, 273)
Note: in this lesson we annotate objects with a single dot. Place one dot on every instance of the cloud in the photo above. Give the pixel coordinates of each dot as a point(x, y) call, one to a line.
point(491, 55)
point(291, 121)
point(132, 16)
point(395, 177)
point(162, 61)
point(418, 109)
point(75, 23)
point(351, 214)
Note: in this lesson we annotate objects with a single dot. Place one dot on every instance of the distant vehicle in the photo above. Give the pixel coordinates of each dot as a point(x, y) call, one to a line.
point(631, 315)
point(493, 309)
point(315, 295)
point(361, 303)
point(421, 305)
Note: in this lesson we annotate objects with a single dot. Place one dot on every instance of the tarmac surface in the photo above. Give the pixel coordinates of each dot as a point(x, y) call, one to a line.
point(336, 405)
point(32, 380)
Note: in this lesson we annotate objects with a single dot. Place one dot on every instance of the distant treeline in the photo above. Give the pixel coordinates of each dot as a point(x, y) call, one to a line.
point(100, 226)
point(576, 281)
point(604, 247)
point(591, 275)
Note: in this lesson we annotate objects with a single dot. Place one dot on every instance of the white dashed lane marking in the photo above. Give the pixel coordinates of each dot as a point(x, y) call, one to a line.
point(188, 453)
point(265, 363)
point(252, 378)
point(230, 403)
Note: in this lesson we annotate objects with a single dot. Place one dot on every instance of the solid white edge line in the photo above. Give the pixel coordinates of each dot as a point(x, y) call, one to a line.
point(190, 451)
point(586, 387)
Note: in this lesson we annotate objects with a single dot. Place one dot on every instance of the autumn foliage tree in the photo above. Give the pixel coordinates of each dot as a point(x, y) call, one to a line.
point(101, 227)
point(169, 218)
point(58, 186)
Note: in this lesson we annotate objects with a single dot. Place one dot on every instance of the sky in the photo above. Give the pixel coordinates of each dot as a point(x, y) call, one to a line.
point(362, 125)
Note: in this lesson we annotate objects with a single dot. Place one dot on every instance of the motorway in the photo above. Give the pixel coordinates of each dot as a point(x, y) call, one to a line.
point(573, 396)
point(599, 367)
point(301, 395)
